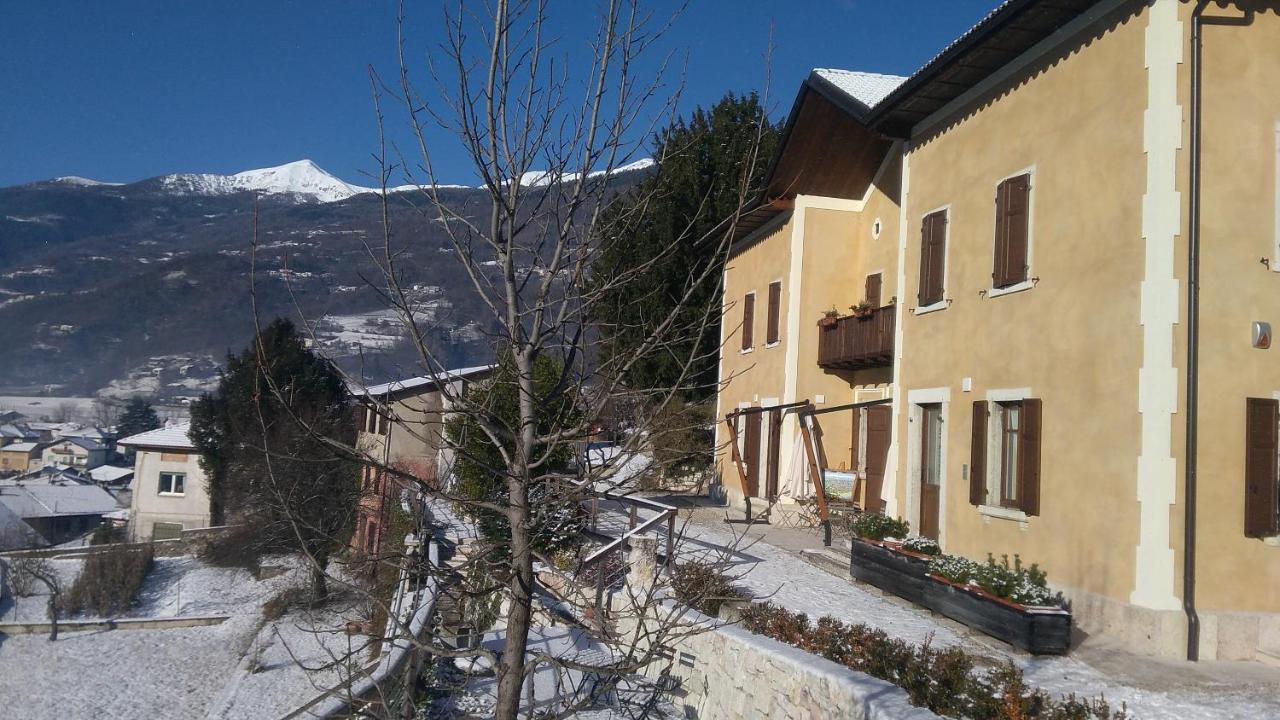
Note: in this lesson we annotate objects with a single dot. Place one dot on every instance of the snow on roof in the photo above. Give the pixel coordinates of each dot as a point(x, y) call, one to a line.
point(48, 500)
point(867, 88)
point(110, 473)
point(87, 443)
point(21, 447)
point(174, 436)
point(422, 381)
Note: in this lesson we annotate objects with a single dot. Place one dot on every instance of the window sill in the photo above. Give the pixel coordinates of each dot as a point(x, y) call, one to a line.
point(746, 352)
point(178, 495)
point(1016, 288)
point(772, 344)
point(1273, 541)
point(935, 307)
point(1003, 513)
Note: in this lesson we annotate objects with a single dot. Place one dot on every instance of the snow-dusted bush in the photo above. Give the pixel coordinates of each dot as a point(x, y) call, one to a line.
point(1023, 585)
point(700, 585)
point(957, 569)
point(921, 544)
point(874, 526)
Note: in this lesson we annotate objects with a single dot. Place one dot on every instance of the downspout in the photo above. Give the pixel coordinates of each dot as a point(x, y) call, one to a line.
point(1198, 21)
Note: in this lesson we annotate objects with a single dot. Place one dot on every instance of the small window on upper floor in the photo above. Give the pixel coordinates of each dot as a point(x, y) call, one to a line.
point(1013, 232)
point(748, 321)
point(775, 313)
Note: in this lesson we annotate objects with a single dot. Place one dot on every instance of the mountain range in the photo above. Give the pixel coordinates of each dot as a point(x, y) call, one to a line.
point(142, 288)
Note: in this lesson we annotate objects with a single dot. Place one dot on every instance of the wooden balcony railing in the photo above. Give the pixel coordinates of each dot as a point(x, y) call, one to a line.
point(855, 343)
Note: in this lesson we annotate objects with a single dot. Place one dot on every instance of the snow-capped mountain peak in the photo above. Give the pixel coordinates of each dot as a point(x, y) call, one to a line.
point(81, 181)
point(302, 178)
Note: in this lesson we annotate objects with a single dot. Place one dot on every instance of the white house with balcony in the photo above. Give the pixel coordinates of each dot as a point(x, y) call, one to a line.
point(169, 493)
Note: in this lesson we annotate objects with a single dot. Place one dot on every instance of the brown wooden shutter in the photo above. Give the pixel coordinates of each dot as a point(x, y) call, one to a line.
point(1260, 471)
point(1029, 457)
point(978, 455)
point(775, 310)
point(752, 459)
point(933, 257)
point(873, 290)
point(1013, 203)
point(925, 265)
point(748, 320)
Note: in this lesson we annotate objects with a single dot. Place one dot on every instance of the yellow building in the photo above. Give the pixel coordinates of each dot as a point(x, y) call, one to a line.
point(1005, 239)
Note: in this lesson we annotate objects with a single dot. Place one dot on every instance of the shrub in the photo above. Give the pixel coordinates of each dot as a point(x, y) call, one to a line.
point(959, 570)
point(1027, 586)
point(110, 580)
point(239, 546)
point(874, 526)
point(946, 681)
point(701, 586)
point(922, 545)
point(108, 535)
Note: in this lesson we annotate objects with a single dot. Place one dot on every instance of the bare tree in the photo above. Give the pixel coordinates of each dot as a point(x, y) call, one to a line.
point(546, 132)
point(25, 572)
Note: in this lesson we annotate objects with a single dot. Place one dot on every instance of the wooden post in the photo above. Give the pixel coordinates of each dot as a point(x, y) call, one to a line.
point(814, 475)
point(737, 462)
point(632, 520)
point(671, 540)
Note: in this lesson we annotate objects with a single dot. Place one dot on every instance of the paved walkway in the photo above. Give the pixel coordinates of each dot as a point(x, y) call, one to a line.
point(771, 562)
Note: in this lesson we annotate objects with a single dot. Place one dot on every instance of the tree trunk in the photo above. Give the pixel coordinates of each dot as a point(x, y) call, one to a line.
point(519, 616)
point(319, 588)
point(53, 615)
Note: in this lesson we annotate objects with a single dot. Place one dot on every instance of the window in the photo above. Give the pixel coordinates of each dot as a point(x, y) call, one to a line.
point(1011, 478)
point(1008, 413)
point(748, 321)
point(166, 531)
point(1013, 215)
point(872, 291)
point(775, 310)
point(1261, 472)
point(172, 483)
point(933, 258)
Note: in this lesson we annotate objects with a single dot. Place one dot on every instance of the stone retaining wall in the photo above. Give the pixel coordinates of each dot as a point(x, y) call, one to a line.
point(190, 543)
point(728, 672)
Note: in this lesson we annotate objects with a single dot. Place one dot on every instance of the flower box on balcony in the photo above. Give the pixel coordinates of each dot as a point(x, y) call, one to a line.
point(1039, 630)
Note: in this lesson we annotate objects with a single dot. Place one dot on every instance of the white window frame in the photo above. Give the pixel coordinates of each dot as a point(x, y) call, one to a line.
point(781, 328)
point(995, 458)
point(755, 304)
point(915, 425)
point(946, 262)
point(992, 290)
point(171, 492)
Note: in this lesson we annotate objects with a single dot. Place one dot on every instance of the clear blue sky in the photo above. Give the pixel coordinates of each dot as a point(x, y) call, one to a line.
point(129, 89)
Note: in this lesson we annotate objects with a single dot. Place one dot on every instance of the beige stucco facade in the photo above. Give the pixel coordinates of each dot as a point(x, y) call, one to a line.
point(152, 503)
point(1099, 117)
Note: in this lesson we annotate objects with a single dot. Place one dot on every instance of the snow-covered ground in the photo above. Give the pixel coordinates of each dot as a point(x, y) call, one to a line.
point(242, 668)
point(780, 575)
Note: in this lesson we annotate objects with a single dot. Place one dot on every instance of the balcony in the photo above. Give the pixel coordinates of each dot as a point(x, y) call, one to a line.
point(857, 343)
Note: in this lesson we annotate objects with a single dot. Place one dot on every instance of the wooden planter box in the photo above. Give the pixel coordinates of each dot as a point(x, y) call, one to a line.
point(904, 575)
point(1043, 631)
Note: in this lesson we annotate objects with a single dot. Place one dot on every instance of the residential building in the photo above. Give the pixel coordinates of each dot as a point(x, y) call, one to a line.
point(54, 512)
point(169, 491)
point(1025, 372)
point(12, 432)
point(78, 452)
point(21, 457)
point(401, 426)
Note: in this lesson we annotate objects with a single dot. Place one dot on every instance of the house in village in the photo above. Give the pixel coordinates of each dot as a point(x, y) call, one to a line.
point(169, 493)
point(79, 452)
point(13, 432)
point(401, 426)
point(21, 457)
point(50, 513)
point(1023, 299)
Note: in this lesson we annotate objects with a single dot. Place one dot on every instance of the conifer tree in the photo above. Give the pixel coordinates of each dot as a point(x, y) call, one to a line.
point(138, 417)
point(702, 163)
point(262, 438)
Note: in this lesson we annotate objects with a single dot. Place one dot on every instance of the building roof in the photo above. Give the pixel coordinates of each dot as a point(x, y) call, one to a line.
point(22, 447)
point(422, 382)
point(88, 444)
point(173, 436)
point(12, 430)
point(51, 500)
point(867, 88)
point(110, 473)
